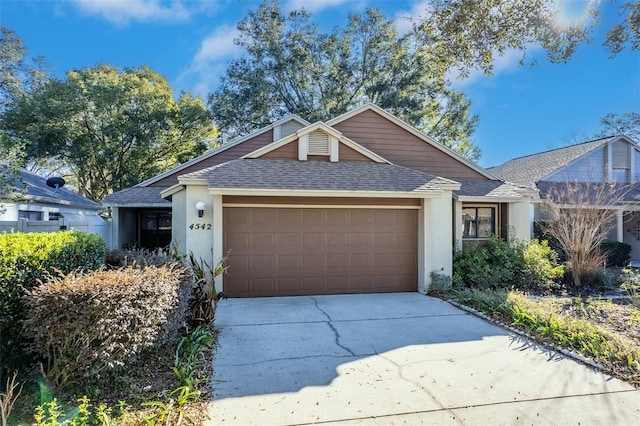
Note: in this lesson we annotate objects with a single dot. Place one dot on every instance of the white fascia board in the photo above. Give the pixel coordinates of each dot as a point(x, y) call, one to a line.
point(318, 193)
point(193, 181)
point(481, 199)
point(272, 146)
point(412, 130)
point(171, 190)
point(364, 151)
point(138, 205)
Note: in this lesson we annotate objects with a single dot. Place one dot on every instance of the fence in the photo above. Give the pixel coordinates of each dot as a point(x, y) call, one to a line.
point(24, 225)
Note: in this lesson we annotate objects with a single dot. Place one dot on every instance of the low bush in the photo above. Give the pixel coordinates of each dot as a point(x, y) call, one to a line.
point(617, 253)
point(498, 264)
point(24, 258)
point(88, 325)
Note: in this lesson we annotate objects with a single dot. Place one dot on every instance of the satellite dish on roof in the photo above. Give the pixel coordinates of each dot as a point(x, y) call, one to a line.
point(55, 182)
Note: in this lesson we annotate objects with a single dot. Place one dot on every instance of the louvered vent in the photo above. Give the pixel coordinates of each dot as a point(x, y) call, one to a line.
point(318, 143)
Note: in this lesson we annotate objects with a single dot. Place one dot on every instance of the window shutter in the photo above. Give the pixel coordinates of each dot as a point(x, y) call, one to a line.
point(318, 143)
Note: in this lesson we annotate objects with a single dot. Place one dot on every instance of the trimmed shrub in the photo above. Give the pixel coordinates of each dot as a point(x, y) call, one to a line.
point(498, 264)
point(618, 254)
point(24, 258)
point(541, 268)
point(495, 264)
point(87, 325)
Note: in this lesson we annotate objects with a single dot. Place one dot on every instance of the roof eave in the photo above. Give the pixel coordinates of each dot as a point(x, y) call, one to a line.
point(325, 193)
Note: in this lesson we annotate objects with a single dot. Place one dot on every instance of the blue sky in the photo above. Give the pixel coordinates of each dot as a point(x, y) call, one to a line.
point(522, 110)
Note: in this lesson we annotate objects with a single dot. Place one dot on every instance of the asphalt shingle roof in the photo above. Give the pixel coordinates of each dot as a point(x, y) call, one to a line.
point(136, 196)
point(488, 188)
point(526, 171)
point(319, 175)
point(37, 190)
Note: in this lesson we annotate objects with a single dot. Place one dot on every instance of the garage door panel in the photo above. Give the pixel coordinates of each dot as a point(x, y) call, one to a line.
point(362, 282)
point(289, 217)
point(313, 284)
point(312, 239)
point(289, 285)
point(313, 261)
point(238, 239)
point(292, 251)
point(288, 261)
point(360, 239)
point(360, 260)
point(311, 217)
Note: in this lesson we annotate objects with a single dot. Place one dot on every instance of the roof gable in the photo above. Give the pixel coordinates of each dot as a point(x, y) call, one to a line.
point(274, 130)
point(402, 144)
point(304, 139)
point(528, 170)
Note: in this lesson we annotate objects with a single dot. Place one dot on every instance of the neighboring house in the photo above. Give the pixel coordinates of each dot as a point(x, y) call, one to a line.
point(360, 203)
point(613, 159)
point(40, 207)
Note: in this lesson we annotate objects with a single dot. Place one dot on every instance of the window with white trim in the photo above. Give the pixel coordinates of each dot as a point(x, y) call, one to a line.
point(478, 222)
point(29, 215)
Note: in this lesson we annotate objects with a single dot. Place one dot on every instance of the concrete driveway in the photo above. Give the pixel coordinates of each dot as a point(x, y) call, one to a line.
point(400, 358)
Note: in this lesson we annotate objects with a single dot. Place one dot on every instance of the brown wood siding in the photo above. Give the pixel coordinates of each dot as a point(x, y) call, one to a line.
point(282, 252)
point(350, 154)
point(227, 155)
point(322, 201)
point(403, 148)
point(285, 152)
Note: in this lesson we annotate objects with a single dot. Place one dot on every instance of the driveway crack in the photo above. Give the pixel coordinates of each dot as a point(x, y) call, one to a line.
point(400, 370)
point(330, 324)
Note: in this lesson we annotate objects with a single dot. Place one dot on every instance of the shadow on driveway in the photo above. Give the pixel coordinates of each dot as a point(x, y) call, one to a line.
point(299, 360)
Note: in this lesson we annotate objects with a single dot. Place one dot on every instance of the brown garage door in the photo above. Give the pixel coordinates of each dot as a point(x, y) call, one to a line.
point(293, 251)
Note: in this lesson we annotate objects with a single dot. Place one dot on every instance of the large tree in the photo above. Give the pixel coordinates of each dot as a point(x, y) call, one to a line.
point(627, 124)
point(290, 67)
point(18, 75)
point(110, 128)
point(470, 34)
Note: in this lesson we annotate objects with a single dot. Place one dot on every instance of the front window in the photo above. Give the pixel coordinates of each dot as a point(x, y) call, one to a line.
point(478, 222)
point(29, 215)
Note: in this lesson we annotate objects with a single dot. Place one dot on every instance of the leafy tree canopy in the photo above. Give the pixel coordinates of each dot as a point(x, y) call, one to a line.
point(470, 34)
point(18, 75)
point(290, 67)
point(110, 128)
point(627, 124)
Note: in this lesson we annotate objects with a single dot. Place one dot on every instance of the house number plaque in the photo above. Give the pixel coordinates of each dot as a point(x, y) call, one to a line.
point(200, 226)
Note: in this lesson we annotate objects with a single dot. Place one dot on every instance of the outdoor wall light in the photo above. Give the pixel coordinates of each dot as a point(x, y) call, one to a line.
point(200, 208)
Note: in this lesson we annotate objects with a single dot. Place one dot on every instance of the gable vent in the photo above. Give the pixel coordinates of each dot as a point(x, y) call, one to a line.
point(318, 143)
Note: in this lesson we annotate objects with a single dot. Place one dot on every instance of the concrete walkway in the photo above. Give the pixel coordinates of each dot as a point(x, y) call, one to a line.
point(386, 359)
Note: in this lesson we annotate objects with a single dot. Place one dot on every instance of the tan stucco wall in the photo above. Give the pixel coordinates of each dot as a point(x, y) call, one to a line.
point(435, 251)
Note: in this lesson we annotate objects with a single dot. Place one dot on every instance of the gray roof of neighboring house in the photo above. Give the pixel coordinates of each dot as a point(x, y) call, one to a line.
point(594, 193)
point(137, 197)
point(526, 171)
point(36, 190)
point(319, 175)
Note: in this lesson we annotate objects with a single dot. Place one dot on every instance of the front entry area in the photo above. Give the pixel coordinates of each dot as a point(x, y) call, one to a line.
point(276, 251)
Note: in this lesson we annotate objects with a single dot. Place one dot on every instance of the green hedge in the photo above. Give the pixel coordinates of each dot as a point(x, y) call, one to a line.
point(25, 258)
point(87, 325)
point(498, 264)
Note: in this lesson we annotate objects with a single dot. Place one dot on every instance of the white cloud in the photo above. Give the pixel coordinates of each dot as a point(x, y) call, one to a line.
point(403, 19)
point(313, 5)
point(124, 11)
point(219, 45)
point(211, 60)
